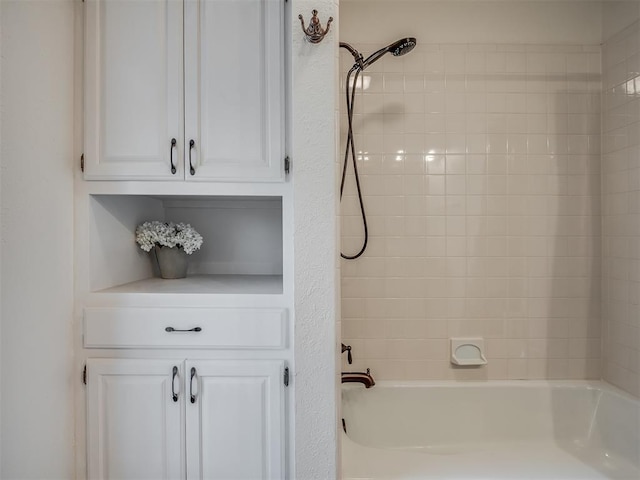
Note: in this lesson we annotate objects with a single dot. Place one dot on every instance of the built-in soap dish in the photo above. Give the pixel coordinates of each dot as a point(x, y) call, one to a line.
point(468, 352)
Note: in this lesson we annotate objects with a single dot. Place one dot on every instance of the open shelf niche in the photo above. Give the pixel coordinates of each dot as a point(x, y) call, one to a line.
point(241, 252)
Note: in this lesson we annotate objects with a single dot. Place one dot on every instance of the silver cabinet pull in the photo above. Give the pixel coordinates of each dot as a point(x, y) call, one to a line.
point(193, 375)
point(174, 392)
point(192, 144)
point(173, 146)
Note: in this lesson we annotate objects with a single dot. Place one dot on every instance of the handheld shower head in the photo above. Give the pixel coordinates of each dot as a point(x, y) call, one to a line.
point(397, 49)
point(402, 47)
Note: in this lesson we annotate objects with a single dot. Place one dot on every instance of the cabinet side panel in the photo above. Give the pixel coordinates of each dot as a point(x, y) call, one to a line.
point(115, 258)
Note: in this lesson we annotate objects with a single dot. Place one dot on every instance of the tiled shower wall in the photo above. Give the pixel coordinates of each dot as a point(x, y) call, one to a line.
point(621, 209)
point(480, 166)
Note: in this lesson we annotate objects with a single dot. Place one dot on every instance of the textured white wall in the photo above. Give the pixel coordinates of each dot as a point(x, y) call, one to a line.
point(313, 155)
point(1, 236)
point(37, 241)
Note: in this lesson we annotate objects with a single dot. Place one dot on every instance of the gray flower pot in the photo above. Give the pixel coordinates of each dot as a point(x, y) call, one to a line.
point(172, 262)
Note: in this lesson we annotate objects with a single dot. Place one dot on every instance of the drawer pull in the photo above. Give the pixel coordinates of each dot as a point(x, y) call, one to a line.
point(171, 329)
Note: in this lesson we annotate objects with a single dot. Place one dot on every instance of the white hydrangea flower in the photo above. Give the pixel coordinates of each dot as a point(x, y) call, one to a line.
point(170, 234)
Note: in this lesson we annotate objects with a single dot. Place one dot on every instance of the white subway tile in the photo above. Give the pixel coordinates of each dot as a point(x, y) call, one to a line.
point(480, 167)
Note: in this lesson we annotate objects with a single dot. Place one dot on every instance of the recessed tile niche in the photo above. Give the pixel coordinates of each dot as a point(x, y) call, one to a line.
point(241, 253)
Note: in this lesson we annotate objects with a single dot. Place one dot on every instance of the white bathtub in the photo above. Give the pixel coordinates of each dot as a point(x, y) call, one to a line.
point(490, 430)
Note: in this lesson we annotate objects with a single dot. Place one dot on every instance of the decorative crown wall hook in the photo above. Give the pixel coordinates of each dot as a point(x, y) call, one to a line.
point(314, 32)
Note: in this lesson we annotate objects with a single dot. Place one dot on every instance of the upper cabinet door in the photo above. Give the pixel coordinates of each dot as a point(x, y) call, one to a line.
point(133, 89)
point(234, 90)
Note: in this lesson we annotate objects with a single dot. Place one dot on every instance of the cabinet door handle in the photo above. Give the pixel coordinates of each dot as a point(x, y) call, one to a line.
point(192, 144)
point(193, 375)
point(194, 329)
point(173, 146)
point(174, 392)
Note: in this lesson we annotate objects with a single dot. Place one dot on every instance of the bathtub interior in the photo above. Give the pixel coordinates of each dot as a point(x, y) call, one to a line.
point(616, 427)
point(592, 423)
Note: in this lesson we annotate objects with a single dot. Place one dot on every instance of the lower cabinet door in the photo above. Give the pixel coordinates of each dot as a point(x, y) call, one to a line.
point(235, 419)
point(134, 419)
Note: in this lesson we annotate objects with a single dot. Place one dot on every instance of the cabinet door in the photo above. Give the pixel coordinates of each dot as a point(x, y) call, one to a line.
point(133, 89)
point(235, 420)
point(133, 423)
point(234, 100)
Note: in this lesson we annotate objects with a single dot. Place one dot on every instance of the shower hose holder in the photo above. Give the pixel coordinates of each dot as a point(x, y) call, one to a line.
point(314, 32)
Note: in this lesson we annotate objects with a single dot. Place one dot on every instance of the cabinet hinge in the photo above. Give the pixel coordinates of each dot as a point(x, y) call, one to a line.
point(286, 376)
point(82, 162)
point(84, 375)
point(287, 165)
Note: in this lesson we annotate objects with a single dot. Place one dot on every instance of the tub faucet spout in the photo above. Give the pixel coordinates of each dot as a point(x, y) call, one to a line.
point(364, 378)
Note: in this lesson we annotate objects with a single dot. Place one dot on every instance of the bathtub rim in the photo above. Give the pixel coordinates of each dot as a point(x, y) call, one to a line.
point(600, 385)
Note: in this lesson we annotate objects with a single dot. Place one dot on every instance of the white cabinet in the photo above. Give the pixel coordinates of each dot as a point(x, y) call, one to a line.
point(184, 89)
point(133, 89)
point(235, 418)
point(234, 89)
point(213, 419)
point(134, 428)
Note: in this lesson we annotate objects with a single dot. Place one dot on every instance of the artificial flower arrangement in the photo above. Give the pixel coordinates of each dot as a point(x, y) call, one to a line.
point(180, 235)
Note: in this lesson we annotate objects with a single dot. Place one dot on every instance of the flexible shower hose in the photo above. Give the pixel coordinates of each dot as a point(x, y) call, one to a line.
point(351, 94)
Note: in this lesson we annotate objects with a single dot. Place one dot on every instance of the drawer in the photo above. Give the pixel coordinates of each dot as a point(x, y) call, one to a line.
point(225, 328)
